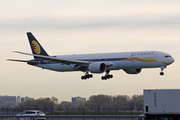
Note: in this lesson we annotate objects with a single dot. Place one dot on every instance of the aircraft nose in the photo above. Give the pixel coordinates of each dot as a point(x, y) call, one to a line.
point(172, 60)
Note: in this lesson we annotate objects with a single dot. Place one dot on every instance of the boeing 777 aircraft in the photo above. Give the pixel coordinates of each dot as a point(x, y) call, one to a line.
point(130, 62)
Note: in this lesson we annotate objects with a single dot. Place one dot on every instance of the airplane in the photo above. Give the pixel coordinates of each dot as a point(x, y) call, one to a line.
point(130, 62)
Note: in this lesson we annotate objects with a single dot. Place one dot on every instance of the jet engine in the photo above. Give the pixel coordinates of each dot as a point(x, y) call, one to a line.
point(97, 67)
point(132, 71)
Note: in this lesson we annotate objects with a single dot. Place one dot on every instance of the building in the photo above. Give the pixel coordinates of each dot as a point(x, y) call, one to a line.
point(22, 99)
point(78, 101)
point(18, 99)
point(28, 98)
point(11, 101)
point(8, 100)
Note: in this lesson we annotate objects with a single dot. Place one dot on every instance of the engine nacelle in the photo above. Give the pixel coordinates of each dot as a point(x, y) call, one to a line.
point(132, 71)
point(97, 67)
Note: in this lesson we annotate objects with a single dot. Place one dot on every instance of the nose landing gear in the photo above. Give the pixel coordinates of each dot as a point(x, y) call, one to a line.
point(162, 68)
point(161, 73)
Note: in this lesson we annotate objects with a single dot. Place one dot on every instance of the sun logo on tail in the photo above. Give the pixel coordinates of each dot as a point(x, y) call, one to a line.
point(35, 46)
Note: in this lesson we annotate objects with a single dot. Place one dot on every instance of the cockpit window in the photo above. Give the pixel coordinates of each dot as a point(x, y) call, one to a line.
point(167, 56)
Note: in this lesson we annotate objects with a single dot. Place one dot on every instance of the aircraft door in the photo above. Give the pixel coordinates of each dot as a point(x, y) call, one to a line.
point(132, 57)
point(155, 57)
point(133, 61)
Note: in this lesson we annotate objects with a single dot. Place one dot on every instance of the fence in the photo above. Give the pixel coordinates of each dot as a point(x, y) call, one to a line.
point(13, 117)
point(76, 111)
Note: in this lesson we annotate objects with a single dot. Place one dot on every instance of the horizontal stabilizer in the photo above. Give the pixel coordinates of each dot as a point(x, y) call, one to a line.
point(34, 62)
point(63, 61)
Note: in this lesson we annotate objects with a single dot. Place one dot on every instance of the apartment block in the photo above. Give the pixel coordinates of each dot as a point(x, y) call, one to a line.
point(78, 101)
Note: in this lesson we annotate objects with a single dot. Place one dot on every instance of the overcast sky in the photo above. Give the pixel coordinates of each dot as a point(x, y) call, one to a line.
point(87, 26)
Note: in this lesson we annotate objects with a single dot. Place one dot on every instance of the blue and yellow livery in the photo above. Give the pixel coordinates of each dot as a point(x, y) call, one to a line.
point(130, 62)
point(35, 46)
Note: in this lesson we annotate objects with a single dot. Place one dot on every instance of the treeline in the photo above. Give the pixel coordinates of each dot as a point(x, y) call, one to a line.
point(104, 101)
point(95, 104)
point(119, 101)
point(41, 103)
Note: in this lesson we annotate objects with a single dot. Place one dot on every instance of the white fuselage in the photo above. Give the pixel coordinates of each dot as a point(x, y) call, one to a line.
point(119, 60)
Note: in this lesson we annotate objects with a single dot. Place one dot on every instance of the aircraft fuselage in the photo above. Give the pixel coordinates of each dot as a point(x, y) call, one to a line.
point(119, 60)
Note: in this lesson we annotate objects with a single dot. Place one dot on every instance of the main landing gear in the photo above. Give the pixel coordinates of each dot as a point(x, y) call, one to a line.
point(162, 68)
point(86, 76)
point(107, 76)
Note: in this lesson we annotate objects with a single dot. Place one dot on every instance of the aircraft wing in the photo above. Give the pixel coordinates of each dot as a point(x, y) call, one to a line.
point(53, 59)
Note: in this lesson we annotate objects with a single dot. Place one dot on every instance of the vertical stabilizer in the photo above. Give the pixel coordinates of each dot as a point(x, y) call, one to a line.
point(35, 46)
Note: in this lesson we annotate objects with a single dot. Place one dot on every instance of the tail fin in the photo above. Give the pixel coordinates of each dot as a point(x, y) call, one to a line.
point(35, 46)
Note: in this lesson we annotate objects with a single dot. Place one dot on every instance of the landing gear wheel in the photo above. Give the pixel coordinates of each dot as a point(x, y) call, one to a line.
point(103, 78)
point(111, 76)
point(86, 76)
point(170, 118)
point(161, 73)
point(178, 118)
point(107, 75)
point(83, 77)
point(161, 118)
point(90, 75)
